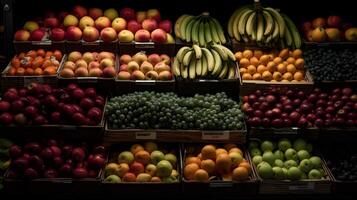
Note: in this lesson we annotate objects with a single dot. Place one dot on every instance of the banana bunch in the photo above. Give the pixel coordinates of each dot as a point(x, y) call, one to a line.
point(214, 62)
point(202, 29)
point(264, 26)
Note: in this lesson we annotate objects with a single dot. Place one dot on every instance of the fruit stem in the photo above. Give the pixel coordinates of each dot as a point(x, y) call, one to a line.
point(206, 14)
point(257, 5)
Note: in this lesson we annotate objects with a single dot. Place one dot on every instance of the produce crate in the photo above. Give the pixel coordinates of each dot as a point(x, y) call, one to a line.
point(209, 86)
point(21, 46)
point(239, 46)
point(248, 187)
point(260, 132)
point(149, 47)
point(250, 86)
point(146, 188)
point(341, 44)
point(24, 81)
point(101, 83)
point(166, 135)
point(84, 46)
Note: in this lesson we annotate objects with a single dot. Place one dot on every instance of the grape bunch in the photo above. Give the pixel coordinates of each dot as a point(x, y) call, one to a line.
point(331, 64)
point(149, 110)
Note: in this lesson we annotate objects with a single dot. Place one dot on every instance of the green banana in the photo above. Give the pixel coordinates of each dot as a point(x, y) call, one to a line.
point(269, 23)
point(188, 31)
point(228, 52)
point(209, 58)
point(293, 30)
point(192, 68)
point(208, 34)
point(260, 27)
point(201, 33)
point(183, 26)
point(214, 32)
point(279, 20)
point(288, 37)
point(220, 51)
point(217, 63)
point(198, 51)
point(224, 71)
point(204, 66)
point(177, 27)
point(182, 52)
point(231, 71)
point(176, 67)
point(195, 33)
point(219, 29)
point(250, 25)
point(231, 20)
point(243, 21)
point(187, 58)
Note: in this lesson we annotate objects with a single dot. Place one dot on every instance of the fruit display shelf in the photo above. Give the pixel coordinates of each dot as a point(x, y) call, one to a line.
point(98, 45)
point(237, 182)
point(148, 47)
point(274, 183)
point(130, 182)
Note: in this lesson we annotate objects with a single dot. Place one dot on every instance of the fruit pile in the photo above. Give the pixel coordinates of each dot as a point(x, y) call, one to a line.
point(284, 66)
point(331, 64)
point(35, 63)
point(213, 162)
point(93, 24)
point(40, 104)
point(145, 67)
point(286, 160)
point(53, 159)
point(147, 110)
point(89, 64)
point(332, 29)
point(4, 158)
point(215, 61)
point(143, 163)
point(343, 162)
point(336, 108)
point(202, 29)
point(254, 23)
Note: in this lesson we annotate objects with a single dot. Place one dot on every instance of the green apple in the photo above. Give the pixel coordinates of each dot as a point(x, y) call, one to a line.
point(290, 154)
point(267, 146)
point(169, 179)
point(111, 169)
point(278, 173)
point(322, 171)
point(299, 144)
point(253, 144)
point(163, 168)
point(285, 173)
point(290, 163)
point(143, 177)
point(316, 161)
point(303, 175)
point(112, 179)
point(171, 158)
point(156, 156)
point(315, 174)
point(126, 157)
point(278, 163)
point(306, 165)
point(303, 154)
point(309, 147)
point(257, 160)
point(294, 173)
point(150, 169)
point(269, 157)
point(284, 144)
point(255, 152)
point(265, 170)
point(279, 155)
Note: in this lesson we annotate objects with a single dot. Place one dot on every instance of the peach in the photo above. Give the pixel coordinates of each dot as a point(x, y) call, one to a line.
point(70, 65)
point(88, 57)
point(81, 72)
point(125, 36)
point(165, 75)
point(154, 13)
point(190, 170)
point(129, 177)
point(125, 59)
point(67, 73)
point(151, 75)
point(140, 16)
point(90, 34)
point(142, 36)
point(106, 62)
point(95, 13)
point(111, 14)
point(105, 54)
point(165, 25)
point(142, 157)
point(85, 21)
point(109, 72)
point(149, 24)
point(73, 33)
point(161, 66)
point(95, 72)
point(134, 26)
point(127, 13)
point(70, 20)
point(80, 11)
point(135, 148)
point(81, 63)
point(124, 75)
point(154, 58)
point(74, 56)
point(201, 175)
point(146, 66)
point(108, 34)
point(102, 22)
point(159, 36)
point(140, 57)
point(93, 65)
point(123, 67)
point(138, 75)
point(137, 168)
point(165, 58)
point(133, 66)
point(119, 24)
point(22, 35)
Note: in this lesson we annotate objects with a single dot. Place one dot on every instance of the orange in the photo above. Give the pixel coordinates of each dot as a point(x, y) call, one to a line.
point(291, 68)
point(271, 66)
point(190, 160)
point(291, 60)
point(277, 60)
point(281, 68)
point(223, 163)
point(201, 175)
point(298, 76)
point(31, 54)
point(264, 59)
point(246, 165)
point(267, 76)
point(20, 71)
point(284, 54)
point(208, 152)
point(257, 76)
point(277, 76)
point(51, 70)
point(38, 71)
point(288, 76)
point(297, 53)
point(247, 76)
point(299, 63)
point(41, 52)
point(190, 170)
point(244, 62)
point(238, 55)
point(243, 70)
point(46, 63)
point(229, 146)
point(251, 69)
point(254, 61)
point(220, 150)
point(261, 69)
point(258, 53)
point(208, 165)
point(247, 54)
point(240, 174)
point(58, 55)
point(37, 62)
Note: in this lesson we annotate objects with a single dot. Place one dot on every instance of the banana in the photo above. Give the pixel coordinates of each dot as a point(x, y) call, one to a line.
point(183, 26)
point(231, 71)
point(243, 21)
point(293, 30)
point(182, 52)
point(192, 68)
point(201, 33)
point(209, 58)
point(214, 32)
point(199, 67)
point(204, 66)
point(178, 23)
point(208, 34)
point(188, 31)
point(220, 51)
point(219, 29)
point(254, 30)
point(5, 143)
point(198, 51)
point(279, 20)
point(224, 71)
point(228, 52)
point(269, 23)
point(187, 58)
point(260, 27)
point(250, 25)
point(275, 31)
point(195, 29)
point(184, 71)
point(217, 63)
point(288, 37)
point(231, 20)
point(176, 67)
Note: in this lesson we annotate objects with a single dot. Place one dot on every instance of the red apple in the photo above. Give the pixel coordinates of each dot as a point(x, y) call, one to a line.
point(334, 21)
point(73, 33)
point(127, 13)
point(78, 154)
point(134, 26)
point(166, 25)
point(102, 22)
point(57, 34)
point(95, 13)
point(306, 27)
point(142, 36)
point(90, 34)
point(51, 22)
point(80, 172)
point(95, 114)
point(79, 11)
point(22, 35)
point(159, 36)
point(154, 14)
point(37, 35)
point(108, 34)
